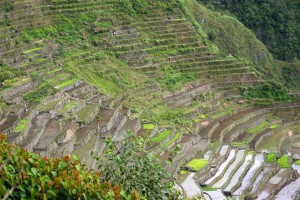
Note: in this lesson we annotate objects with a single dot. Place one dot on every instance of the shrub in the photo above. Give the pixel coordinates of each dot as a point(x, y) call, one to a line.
point(25, 175)
point(174, 79)
point(7, 72)
point(127, 163)
point(267, 90)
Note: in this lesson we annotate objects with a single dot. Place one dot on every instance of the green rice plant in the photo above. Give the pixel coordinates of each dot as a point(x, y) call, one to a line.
point(239, 144)
point(176, 137)
point(197, 164)
point(271, 157)
point(161, 136)
point(274, 126)
point(258, 129)
point(284, 162)
point(22, 125)
point(148, 126)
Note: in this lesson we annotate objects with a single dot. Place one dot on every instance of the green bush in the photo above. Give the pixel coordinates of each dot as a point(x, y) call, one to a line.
point(127, 163)
point(174, 79)
point(7, 72)
point(25, 175)
point(39, 93)
point(267, 90)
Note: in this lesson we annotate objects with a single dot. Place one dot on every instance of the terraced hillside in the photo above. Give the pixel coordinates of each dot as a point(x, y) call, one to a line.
point(79, 71)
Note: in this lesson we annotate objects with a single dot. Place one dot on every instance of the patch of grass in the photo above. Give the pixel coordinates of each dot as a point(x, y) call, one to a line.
point(176, 137)
point(161, 136)
point(201, 116)
point(250, 153)
point(148, 126)
point(209, 189)
point(50, 105)
point(297, 162)
point(183, 172)
point(222, 114)
point(22, 125)
point(68, 107)
point(39, 93)
point(105, 24)
point(284, 162)
point(67, 83)
point(32, 50)
point(297, 130)
point(238, 144)
point(271, 157)
point(274, 126)
point(86, 112)
point(174, 79)
point(258, 129)
point(197, 164)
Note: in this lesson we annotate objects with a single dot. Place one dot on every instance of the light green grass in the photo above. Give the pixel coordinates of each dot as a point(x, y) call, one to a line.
point(284, 162)
point(161, 136)
point(222, 114)
point(239, 144)
point(182, 172)
point(201, 116)
point(67, 83)
point(271, 157)
point(68, 107)
point(297, 162)
point(22, 125)
point(258, 128)
point(176, 137)
point(209, 189)
point(32, 50)
point(148, 126)
point(274, 126)
point(197, 164)
point(86, 112)
point(297, 130)
point(50, 105)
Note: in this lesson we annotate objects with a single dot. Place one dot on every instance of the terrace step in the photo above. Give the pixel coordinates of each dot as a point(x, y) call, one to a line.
point(239, 158)
point(227, 125)
point(35, 131)
point(222, 168)
point(236, 179)
point(291, 190)
point(275, 183)
point(249, 178)
point(52, 130)
point(268, 170)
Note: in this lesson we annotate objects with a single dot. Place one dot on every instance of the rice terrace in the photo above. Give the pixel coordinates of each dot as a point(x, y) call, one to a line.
point(148, 99)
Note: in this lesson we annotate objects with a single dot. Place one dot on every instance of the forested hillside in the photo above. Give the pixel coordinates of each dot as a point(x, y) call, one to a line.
point(275, 22)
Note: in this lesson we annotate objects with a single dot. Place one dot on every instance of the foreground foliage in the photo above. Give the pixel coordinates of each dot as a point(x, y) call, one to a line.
point(24, 175)
point(128, 164)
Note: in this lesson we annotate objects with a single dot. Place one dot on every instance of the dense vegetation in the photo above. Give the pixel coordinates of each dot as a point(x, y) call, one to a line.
point(24, 175)
point(276, 23)
point(127, 163)
point(267, 90)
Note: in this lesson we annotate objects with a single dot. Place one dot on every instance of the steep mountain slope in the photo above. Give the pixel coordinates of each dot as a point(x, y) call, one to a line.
point(276, 23)
point(77, 72)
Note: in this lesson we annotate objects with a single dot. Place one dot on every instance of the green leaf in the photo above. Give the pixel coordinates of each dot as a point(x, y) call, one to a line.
point(33, 192)
point(34, 171)
point(62, 165)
